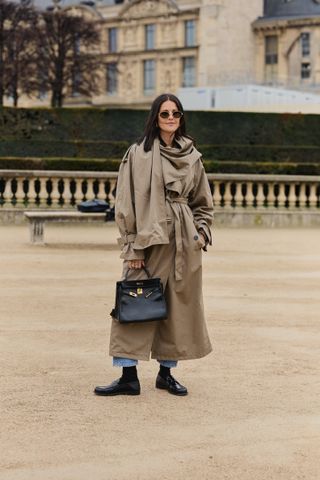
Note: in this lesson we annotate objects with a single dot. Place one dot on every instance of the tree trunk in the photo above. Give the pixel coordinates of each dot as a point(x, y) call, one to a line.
point(1, 65)
point(15, 98)
point(53, 99)
point(15, 82)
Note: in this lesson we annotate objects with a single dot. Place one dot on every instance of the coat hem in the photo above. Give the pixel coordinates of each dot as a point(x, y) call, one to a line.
point(131, 356)
point(162, 356)
point(155, 356)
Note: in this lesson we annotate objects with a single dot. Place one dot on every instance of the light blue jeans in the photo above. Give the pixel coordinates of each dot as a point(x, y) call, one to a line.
point(128, 362)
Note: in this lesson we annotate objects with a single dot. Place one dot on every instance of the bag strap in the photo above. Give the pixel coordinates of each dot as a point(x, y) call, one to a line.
point(144, 268)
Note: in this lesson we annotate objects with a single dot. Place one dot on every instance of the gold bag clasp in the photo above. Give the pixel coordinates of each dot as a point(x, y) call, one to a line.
point(139, 291)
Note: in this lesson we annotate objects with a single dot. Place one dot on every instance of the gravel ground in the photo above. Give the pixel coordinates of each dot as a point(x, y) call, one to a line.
point(253, 407)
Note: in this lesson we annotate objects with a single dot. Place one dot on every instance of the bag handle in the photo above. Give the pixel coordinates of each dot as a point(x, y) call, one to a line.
point(144, 268)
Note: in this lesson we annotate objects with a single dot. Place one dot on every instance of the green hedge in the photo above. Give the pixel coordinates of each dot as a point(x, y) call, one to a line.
point(60, 163)
point(54, 139)
point(263, 168)
point(218, 128)
point(76, 148)
point(109, 149)
point(261, 153)
point(112, 165)
point(67, 124)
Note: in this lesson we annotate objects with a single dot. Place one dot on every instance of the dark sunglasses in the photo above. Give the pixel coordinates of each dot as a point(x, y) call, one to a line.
point(166, 114)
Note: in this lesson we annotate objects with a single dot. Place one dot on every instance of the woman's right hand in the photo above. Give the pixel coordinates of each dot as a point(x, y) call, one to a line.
point(136, 264)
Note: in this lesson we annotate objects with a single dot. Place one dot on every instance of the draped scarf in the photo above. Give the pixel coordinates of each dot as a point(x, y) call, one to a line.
point(153, 174)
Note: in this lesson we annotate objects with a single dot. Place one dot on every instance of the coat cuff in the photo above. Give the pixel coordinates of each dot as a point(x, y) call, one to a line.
point(128, 252)
point(206, 231)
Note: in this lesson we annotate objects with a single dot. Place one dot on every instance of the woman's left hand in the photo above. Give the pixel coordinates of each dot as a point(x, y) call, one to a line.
point(203, 238)
point(136, 264)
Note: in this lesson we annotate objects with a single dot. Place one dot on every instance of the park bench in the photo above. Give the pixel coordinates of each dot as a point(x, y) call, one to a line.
point(37, 220)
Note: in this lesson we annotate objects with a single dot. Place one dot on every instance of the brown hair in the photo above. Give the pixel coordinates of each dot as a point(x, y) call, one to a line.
point(151, 130)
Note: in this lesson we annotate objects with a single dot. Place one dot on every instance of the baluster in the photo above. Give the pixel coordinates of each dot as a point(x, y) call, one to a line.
point(7, 194)
point(216, 194)
point(55, 194)
point(78, 194)
point(90, 193)
point(313, 199)
point(227, 195)
point(32, 194)
point(111, 197)
point(304, 195)
point(43, 194)
point(260, 195)
point(292, 195)
point(249, 195)
point(20, 195)
point(272, 198)
point(282, 195)
point(67, 195)
point(238, 197)
point(101, 194)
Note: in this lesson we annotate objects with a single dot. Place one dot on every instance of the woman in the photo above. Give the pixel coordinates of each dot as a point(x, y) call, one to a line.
point(164, 212)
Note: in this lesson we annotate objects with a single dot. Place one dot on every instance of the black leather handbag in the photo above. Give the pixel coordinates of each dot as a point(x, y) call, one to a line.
point(139, 300)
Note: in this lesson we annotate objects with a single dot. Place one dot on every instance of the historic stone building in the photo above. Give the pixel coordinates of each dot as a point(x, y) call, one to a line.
point(147, 47)
point(288, 44)
point(151, 46)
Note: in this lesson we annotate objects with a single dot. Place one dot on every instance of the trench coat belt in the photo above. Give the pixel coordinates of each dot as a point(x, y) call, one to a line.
point(178, 262)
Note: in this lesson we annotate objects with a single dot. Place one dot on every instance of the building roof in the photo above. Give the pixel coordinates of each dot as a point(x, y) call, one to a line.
point(291, 8)
point(43, 4)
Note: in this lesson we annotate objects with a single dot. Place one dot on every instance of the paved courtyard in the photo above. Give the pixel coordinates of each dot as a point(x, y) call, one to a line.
point(253, 411)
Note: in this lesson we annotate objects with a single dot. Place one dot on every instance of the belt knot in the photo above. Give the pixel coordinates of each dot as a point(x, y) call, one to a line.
point(183, 200)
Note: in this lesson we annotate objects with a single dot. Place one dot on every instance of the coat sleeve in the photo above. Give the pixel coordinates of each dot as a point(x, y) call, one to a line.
point(125, 214)
point(200, 202)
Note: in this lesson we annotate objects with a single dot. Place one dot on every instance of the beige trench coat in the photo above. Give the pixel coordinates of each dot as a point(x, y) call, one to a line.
point(175, 256)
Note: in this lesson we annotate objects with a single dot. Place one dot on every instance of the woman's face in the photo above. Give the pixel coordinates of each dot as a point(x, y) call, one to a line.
point(170, 124)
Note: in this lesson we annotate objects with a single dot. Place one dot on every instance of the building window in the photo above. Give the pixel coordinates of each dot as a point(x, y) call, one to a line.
point(43, 82)
point(189, 72)
point(112, 78)
point(271, 49)
point(76, 83)
point(150, 36)
point(112, 39)
point(305, 44)
point(189, 33)
point(43, 76)
point(149, 76)
point(305, 70)
point(76, 72)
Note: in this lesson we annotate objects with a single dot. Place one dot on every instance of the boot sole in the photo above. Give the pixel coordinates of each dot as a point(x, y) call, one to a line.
point(115, 394)
point(162, 387)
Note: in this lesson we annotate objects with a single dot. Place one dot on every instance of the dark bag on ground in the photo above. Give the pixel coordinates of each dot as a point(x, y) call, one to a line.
point(93, 206)
point(139, 300)
point(110, 214)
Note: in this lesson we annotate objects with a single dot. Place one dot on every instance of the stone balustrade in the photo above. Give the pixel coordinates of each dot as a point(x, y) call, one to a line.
point(56, 189)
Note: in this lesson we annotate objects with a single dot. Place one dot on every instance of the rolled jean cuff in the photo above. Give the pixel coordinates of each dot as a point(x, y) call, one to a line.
point(124, 362)
point(168, 363)
point(130, 362)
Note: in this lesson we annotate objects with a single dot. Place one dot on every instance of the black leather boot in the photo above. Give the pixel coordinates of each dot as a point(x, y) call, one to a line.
point(171, 385)
point(119, 388)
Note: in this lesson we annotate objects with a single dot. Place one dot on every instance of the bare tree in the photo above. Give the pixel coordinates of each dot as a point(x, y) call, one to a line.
point(20, 66)
point(6, 13)
point(66, 61)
